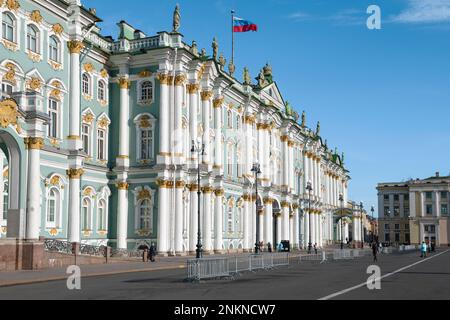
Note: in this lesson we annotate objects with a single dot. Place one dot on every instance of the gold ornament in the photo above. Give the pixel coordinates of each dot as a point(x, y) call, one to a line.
point(55, 181)
point(75, 173)
point(10, 75)
point(34, 84)
point(88, 67)
point(34, 143)
point(163, 78)
point(88, 117)
point(104, 73)
point(180, 79)
point(12, 5)
point(88, 192)
point(144, 194)
point(144, 74)
point(103, 123)
point(124, 83)
point(164, 183)
point(58, 29)
point(206, 95)
point(75, 46)
point(8, 113)
point(193, 88)
point(217, 103)
point(36, 16)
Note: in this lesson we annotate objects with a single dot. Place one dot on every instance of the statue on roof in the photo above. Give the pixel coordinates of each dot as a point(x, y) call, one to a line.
point(194, 49)
point(326, 144)
point(295, 115)
point(247, 78)
point(342, 158)
point(262, 82)
point(231, 68)
point(303, 119)
point(176, 18)
point(222, 61)
point(288, 109)
point(215, 47)
point(268, 73)
point(318, 129)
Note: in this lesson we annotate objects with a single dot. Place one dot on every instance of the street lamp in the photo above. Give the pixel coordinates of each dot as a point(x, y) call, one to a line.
point(200, 149)
point(309, 188)
point(256, 170)
point(362, 225)
point(372, 224)
point(341, 199)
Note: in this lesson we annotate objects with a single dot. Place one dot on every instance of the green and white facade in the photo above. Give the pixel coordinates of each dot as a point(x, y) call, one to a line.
point(97, 134)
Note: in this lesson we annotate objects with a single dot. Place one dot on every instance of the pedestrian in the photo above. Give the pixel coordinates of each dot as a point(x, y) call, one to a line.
point(315, 248)
point(269, 247)
point(280, 247)
point(374, 251)
point(423, 249)
point(380, 247)
point(152, 252)
point(433, 248)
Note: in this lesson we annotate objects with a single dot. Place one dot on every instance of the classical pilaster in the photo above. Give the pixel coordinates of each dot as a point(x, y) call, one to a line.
point(279, 228)
point(291, 231)
point(247, 224)
point(178, 130)
point(206, 106)
point(320, 228)
point(163, 210)
point(285, 150)
point(285, 220)
point(207, 241)
point(179, 187)
point(437, 198)
point(122, 214)
point(34, 146)
point(268, 221)
point(307, 227)
point(218, 221)
point(217, 103)
point(164, 117)
point(74, 204)
point(248, 125)
point(123, 159)
point(192, 89)
point(291, 172)
point(74, 140)
point(193, 226)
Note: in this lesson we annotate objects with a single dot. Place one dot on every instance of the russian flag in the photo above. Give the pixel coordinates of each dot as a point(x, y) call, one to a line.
point(241, 25)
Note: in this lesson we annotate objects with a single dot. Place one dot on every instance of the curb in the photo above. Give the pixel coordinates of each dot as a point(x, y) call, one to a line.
point(91, 275)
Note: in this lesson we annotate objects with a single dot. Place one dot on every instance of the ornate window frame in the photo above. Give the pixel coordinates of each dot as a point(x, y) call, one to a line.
point(88, 194)
point(139, 88)
point(87, 119)
point(103, 123)
point(103, 195)
point(8, 44)
point(144, 122)
point(90, 83)
point(141, 194)
point(58, 183)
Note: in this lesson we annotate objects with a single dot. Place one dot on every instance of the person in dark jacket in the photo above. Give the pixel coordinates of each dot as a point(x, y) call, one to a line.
point(152, 252)
point(374, 251)
point(269, 247)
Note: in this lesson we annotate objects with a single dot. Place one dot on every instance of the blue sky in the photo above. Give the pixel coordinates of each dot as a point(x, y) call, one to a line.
point(382, 96)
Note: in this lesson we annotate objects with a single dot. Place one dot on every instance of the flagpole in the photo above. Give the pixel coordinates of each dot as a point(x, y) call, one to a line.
point(232, 37)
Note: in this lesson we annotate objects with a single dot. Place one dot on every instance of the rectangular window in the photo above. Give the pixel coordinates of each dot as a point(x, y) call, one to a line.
point(429, 209)
point(407, 226)
point(428, 195)
point(396, 211)
point(386, 197)
point(387, 227)
point(406, 197)
point(53, 114)
point(406, 211)
point(444, 195)
point(101, 145)
point(387, 212)
point(7, 89)
point(146, 144)
point(397, 227)
point(5, 204)
point(387, 237)
point(51, 211)
point(397, 237)
point(444, 209)
point(85, 137)
point(432, 229)
point(396, 197)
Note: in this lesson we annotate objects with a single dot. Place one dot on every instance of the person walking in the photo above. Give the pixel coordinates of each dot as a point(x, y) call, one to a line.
point(374, 251)
point(152, 252)
point(315, 248)
point(423, 249)
point(269, 247)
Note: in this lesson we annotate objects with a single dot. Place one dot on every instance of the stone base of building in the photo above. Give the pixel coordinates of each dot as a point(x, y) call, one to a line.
point(219, 252)
point(22, 255)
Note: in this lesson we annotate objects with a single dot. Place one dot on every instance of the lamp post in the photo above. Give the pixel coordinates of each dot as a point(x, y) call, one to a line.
point(309, 188)
point(341, 199)
point(361, 205)
point(372, 209)
point(200, 149)
point(256, 170)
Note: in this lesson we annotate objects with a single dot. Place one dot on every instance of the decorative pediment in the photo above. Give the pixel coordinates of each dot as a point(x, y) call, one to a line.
point(273, 93)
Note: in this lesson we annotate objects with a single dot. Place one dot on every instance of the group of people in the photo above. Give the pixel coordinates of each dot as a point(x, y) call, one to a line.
point(425, 248)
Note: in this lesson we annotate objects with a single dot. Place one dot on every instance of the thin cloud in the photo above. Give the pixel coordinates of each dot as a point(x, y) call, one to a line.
point(424, 11)
point(299, 16)
point(343, 17)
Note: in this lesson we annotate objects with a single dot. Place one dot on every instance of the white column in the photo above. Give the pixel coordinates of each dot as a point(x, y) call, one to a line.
point(247, 224)
point(422, 204)
point(291, 231)
point(291, 164)
point(193, 113)
point(296, 227)
point(437, 197)
point(218, 220)
point(249, 120)
point(285, 150)
point(124, 126)
point(34, 146)
point(218, 129)
point(317, 231)
point(207, 241)
point(206, 105)
point(179, 187)
point(320, 230)
point(74, 139)
point(307, 228)
point(193, 228)
point(163, 215)
point(268, 222)
point(74, 204)
point(122, 214)
point(313, 228)
point(412, 205)
point(164, 117)
point(285, 220)
point(178, 130)
point(279, 227)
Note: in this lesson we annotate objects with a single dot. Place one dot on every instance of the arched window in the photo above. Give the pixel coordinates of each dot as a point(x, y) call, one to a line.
point(145, 133)
point(101, 91)
point(146, 91)
point(145, 215)
point(146, 143)
point(230, 119)
point(52, 208)
point(53, 112)
point(86, 137)
point(102, 215)
point(86, 215)
point(86, 84)
point(8, 27)
point(53, 49)
point(101, 144)
point(32, 38)
point(238, 122)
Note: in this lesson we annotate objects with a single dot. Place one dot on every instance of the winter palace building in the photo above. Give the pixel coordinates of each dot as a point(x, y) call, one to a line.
point(96, 137)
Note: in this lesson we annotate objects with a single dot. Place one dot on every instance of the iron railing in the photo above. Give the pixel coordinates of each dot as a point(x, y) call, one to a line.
point(125, 253)
point(53, 245)
point(89, 250)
